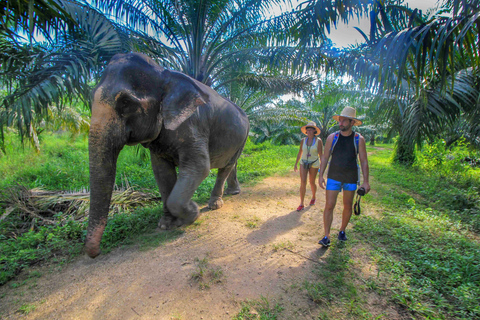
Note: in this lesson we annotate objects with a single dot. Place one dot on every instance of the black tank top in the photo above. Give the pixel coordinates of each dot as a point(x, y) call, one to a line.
point(343, 164)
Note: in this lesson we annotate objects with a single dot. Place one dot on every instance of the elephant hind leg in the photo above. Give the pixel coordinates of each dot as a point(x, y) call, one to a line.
point(216, 201)
point(233, 186)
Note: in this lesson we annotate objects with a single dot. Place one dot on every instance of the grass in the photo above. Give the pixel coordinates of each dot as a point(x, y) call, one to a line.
point(258, 309)
point(252, 222)
point(336, 288)
point(282, 245)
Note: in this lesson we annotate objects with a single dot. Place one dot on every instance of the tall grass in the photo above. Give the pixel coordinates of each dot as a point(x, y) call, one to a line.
point(62, 164)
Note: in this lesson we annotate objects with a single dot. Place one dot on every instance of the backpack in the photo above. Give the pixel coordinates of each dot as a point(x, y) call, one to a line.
point(356, 143)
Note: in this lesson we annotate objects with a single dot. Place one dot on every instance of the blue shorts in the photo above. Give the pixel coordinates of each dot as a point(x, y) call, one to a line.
point(338, 186)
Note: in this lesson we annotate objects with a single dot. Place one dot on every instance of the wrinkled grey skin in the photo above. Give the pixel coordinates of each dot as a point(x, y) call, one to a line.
point(183, 122)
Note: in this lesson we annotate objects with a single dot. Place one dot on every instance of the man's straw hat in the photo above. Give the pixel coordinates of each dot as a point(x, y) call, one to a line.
point(310, 124)
point(350, 113)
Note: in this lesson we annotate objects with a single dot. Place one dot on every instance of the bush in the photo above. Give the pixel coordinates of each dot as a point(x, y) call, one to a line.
point(448, 161)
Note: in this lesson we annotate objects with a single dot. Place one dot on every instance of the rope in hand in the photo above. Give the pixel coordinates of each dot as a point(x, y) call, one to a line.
point(356, 207)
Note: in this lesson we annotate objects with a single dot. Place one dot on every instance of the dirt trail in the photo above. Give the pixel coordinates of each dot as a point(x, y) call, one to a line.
point(239, 239)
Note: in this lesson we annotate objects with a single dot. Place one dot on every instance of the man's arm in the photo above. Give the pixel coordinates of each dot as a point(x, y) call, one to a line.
point(362, 154)
point(323, 164)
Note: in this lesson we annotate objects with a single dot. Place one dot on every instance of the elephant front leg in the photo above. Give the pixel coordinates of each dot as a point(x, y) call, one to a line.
point(166, 177)
point(179, 203)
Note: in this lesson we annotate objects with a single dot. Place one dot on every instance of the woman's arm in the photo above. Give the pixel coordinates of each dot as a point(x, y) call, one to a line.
point(325, 157)
point(299, 155)
point(320, 148)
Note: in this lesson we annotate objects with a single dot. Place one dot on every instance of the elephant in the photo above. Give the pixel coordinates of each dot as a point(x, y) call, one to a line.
point(183, 122)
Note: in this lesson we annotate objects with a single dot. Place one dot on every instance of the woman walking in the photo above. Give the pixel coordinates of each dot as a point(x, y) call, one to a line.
point(311, 149)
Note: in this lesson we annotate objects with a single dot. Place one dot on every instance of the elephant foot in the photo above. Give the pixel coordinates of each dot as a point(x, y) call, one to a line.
point(92, 251)
point(168, 221)
point(232, 191)
point(215, 203)
point(92, 242)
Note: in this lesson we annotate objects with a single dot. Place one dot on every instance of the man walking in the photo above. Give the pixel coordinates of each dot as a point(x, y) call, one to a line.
point(343, 174)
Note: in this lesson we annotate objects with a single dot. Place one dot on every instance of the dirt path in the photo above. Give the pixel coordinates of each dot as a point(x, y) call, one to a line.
point(240, 240)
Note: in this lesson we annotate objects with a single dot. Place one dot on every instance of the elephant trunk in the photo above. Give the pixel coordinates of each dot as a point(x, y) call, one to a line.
point(103, 154)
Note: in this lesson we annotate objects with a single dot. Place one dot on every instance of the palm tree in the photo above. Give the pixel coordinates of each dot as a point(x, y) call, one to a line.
point(78, 41)
point(217, 42)
point(330, 97)
point(434, 63)
point(36, 16)
point(270, 117)
point(412, 59)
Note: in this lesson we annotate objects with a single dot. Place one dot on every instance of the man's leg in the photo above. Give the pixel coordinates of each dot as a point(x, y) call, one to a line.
point(330, 202)
point(347, 208)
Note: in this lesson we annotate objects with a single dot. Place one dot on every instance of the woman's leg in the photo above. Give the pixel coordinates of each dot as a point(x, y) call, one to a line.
point(312, 177)
point(303, 184)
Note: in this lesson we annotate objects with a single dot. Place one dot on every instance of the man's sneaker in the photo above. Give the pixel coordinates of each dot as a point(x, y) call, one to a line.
point(325, 241)
point(342, 236)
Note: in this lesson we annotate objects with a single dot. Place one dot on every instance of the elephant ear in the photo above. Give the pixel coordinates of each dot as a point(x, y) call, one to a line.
point(182, 99)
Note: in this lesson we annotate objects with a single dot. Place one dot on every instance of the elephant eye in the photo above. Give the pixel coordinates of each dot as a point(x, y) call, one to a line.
point(126, 105)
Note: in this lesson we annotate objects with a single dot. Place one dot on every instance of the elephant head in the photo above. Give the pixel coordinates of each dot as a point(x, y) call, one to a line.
point(134, 101)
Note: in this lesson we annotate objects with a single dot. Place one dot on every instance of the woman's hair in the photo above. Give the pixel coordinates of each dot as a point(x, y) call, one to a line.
point(311, 128)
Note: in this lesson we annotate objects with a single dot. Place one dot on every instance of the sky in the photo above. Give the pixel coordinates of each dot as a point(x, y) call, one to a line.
point(346, 35)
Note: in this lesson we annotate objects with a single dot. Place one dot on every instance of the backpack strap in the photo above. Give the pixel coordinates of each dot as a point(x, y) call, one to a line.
point(334, 142)
point(357, 142)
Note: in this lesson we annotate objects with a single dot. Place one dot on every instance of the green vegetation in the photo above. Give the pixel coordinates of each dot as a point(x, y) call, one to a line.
point(282, 245)
point(205, 274)
point(261, 310)
point(336, 287)
point(423, 65)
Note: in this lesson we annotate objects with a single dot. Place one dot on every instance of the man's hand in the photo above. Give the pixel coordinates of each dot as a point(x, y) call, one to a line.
point(365, 186)
point(295, 168)
point(321, 182)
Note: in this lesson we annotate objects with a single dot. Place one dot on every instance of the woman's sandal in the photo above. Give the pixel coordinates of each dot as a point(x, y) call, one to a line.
point(312, 202)
point(300, 208)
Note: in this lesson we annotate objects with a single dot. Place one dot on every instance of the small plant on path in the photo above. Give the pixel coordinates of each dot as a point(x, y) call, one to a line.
point(206, 274)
